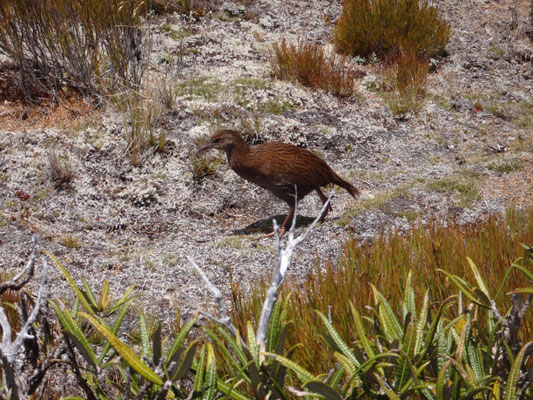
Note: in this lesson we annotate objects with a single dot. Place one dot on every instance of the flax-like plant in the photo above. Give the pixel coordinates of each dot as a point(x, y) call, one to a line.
point(152, 374)
point(433, 353)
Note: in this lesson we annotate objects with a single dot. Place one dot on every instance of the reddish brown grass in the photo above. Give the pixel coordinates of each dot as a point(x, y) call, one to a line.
point(309, 64)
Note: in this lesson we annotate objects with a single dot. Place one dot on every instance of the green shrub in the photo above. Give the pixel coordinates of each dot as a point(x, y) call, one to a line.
point(385, 27)
point(308, 64)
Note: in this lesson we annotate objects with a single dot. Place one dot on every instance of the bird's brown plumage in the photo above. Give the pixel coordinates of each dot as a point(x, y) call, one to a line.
point(277, 167)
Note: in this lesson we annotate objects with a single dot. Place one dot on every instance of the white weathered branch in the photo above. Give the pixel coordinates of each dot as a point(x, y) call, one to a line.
point(10, 349)
point(282, 263)
point(217, 294)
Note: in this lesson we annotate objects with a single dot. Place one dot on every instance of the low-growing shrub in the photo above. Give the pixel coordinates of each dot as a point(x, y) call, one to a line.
point(385, 27)
point(309, 64)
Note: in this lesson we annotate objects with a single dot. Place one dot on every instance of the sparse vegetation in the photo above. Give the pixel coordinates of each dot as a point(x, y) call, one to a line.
point(139, 113)
point(389, 27)
point(309, 65)
point(404, 87)
point(69, 240)
point(463, 187)
point(61, 172)
point(49, 41)
point(506, 166)
point(205, 166)
point(201, 87)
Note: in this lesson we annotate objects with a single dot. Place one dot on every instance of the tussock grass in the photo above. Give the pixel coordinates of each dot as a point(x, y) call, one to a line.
point(60, 172)
point(493, 245)
point(405, 84)
point(309, 64)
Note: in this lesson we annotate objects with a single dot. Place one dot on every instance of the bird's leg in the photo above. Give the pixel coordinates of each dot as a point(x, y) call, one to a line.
point(324, 199)
point(290, 216)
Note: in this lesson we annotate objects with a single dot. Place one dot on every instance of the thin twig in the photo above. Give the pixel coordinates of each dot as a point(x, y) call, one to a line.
point(217, 294)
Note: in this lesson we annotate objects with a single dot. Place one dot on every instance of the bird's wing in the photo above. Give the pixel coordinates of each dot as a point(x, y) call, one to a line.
point(290, 165)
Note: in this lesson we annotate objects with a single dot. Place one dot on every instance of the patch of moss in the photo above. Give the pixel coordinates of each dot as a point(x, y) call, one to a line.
point(463, 188)
point(199, 87)
point(441, 100)
point(379, 200)
point(506, 166)
point(239, 242)
point(174, 34)
point(409, 215)
point(277, 106)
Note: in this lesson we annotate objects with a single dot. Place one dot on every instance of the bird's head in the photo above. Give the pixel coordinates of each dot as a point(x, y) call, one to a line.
point(224, 140)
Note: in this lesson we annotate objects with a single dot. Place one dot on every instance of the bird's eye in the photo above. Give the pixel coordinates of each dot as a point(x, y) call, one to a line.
point(217, 140)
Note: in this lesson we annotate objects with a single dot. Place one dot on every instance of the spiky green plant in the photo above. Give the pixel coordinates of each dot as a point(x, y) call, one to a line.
point(427, 354)
point(493, 244)
point(154, 373)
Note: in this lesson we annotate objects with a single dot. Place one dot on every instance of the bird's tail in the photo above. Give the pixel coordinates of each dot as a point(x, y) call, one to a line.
point(348, 186)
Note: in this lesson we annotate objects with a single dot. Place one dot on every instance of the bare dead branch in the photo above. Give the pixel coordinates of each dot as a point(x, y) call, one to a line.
point(282, 263)
point(217, 294)
point(13, 284)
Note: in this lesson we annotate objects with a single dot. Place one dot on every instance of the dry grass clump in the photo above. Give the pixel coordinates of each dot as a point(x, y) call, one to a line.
point(79, 44)
point(308, 64)
point(405, 83)
point(384, 27)
point(192, 8)
point(60, 170)
point(493, 245)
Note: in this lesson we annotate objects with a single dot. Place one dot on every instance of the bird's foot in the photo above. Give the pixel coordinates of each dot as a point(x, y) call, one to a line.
point(280, 231)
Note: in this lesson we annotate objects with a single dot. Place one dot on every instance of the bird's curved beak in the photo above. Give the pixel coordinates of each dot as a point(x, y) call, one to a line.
point(204, 148)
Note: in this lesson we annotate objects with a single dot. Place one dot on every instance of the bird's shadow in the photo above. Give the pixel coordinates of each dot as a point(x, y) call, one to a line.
point(265, 225)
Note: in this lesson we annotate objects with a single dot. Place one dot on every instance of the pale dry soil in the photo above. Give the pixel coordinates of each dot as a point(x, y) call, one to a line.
point(468, 152)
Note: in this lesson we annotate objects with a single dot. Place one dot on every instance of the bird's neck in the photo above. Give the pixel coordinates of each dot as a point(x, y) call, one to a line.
point(238, 154)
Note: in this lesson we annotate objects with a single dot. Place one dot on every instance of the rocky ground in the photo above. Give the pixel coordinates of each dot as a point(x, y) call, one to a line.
point(468, 152)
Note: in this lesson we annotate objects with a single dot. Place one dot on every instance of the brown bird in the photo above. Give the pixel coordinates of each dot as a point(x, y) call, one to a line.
point(277, 167)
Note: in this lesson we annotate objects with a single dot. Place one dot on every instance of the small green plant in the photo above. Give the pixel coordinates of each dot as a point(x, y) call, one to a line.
point(463, 187)
point(387, 27)
point(405, 82)
point(204, 167)
point(497, 52)
point(70, 241)
point(309, 64)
